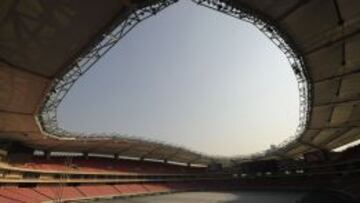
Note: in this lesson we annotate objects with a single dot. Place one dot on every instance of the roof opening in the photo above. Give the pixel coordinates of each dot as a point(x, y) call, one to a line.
point(193, 77)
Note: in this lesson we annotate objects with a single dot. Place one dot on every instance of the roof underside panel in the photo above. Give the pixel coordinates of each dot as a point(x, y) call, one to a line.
point(44, 36)
point(40, 39)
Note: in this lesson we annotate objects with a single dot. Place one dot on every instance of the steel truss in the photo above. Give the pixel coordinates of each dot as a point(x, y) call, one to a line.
point(63, 83)
point(280, 39)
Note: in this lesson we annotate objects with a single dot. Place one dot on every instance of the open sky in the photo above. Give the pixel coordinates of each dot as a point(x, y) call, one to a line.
point(193, 77)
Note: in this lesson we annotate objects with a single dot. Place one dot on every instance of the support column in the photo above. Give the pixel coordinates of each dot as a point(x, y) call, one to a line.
point(86, 155)
point(47, 155)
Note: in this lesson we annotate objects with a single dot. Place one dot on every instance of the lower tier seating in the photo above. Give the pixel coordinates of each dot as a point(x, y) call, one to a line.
point(11, 194)
point(60, 192)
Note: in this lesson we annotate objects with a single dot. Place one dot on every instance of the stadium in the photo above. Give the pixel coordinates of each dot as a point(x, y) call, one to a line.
point(39, 64)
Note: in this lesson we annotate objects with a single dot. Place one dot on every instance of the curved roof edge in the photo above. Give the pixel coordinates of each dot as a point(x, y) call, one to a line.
point(64, 81)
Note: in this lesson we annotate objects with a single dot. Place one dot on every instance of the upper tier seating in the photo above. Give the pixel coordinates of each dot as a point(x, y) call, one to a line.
point(96, 164)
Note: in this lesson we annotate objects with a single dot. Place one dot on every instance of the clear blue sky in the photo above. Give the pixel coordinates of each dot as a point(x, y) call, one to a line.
point(193, 77)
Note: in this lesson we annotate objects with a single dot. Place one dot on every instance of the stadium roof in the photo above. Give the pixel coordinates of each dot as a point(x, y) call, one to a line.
point(46, 45)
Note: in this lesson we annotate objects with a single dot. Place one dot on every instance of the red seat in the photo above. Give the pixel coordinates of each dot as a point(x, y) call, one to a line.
point(13, 196)
point(98, 190)
point(96, 164)
point(28, 192)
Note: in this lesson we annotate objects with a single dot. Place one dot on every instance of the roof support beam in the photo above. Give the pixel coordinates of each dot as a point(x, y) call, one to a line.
point(338, 12)
point(158, 147)
point(125, 149)
point(53, 147)
point(340, 76)
point(195, 159)
point(311, 145)
point(90, 149)
point(337, 102)
point(328, 43)
point(292, 10)
point(173, 154)
point(329, 140)
point(282, 155)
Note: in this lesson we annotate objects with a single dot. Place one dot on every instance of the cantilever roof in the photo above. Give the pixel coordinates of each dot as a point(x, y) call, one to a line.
point(39, 40)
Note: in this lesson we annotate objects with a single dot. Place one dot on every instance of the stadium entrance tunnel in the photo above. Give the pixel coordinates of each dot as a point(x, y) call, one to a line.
point(153, 149)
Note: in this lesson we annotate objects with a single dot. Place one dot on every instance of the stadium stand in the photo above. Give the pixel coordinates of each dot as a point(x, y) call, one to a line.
point(320, 38)
point(54, 192)
point(104, 165)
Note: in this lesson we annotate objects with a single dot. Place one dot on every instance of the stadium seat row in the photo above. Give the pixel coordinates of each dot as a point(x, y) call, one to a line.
point(104, 165)
point(56, 193)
